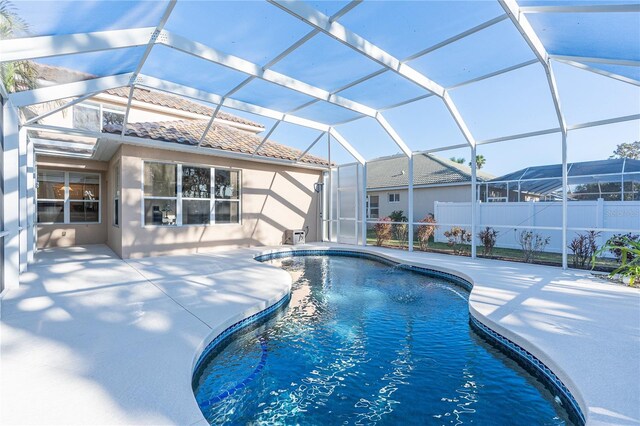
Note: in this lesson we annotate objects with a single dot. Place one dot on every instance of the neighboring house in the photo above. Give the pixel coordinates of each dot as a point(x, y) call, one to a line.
point(159, 187)
point(434, 179)
point(616, 179)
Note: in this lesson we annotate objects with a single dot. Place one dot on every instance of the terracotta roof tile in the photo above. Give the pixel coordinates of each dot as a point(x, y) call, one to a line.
point(64, 75)
point(220, 136)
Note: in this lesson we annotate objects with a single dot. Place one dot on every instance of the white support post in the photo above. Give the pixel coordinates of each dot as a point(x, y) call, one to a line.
point(363, 225)
point(565, 184)
point(266, 137)
point(31, 201)
point(474, 201)
point(10, 196)
point(23, 223)
point(523, 26)
point(410, 204)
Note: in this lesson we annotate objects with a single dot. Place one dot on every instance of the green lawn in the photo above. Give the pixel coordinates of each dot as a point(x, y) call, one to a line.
point(513, 255)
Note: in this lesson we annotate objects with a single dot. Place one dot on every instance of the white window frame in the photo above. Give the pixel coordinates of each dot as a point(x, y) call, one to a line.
point(179, 198)
point(369, 207)
point(67, 201)
point(101, 110)
point(396, 197)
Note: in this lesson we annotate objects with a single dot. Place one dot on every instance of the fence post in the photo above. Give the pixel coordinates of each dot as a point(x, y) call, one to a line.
point(600, 218)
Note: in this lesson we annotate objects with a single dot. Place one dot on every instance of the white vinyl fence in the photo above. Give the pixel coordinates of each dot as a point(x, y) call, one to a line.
point(544, 218)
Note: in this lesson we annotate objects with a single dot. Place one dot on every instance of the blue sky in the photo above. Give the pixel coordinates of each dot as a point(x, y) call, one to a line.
point(507, 104)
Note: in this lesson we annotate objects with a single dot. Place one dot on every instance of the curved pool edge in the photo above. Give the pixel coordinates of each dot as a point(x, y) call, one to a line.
point(516, 345)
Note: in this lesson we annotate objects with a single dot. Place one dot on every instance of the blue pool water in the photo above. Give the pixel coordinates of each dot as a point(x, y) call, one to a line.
point(361, 342)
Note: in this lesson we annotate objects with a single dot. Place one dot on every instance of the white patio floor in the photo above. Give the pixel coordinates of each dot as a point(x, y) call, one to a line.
point(91, 339)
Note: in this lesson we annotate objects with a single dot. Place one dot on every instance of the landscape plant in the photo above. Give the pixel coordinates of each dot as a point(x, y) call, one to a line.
point(532, 243)
point(400, 230)
point(458, 238)
point(583, 246)
point(618, 241)
point(382, 230)
point(425, 232)
point(629, 250)
point(488, 237)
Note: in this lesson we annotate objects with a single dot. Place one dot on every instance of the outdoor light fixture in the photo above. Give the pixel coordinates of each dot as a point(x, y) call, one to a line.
point(318, 186)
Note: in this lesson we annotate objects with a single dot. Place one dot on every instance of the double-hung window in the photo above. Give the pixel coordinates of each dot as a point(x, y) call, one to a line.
point(180, 194)
point(227, 196)
point(160, 194)
point(68, 197)
point(196, 195)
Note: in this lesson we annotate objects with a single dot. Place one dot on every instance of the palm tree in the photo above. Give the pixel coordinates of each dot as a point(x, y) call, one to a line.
point(17, 75)
point(459, 160)
point(480, 161)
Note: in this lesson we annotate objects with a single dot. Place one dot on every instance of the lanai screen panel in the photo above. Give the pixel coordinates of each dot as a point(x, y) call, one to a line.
point(380, 57)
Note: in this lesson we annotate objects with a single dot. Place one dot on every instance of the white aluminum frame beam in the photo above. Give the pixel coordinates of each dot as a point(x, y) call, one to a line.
point(585, 67)
point(59, 108)
point(522, 24)
point(310, 146)
point(594, 8)
point(68, 90)
point(147, 51)
point(28, 48)
point(346, 145)
point(235, 63)
point(410, 58)
point(393, 134)
point(189, 92)
point(318, 20)
point(266, 137)
point(596, 60)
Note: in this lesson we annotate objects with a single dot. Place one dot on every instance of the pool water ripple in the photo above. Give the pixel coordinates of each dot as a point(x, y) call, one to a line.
point(361, 342)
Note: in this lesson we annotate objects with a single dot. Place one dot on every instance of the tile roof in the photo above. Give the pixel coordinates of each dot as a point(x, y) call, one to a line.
point(428, 169)
point(220, 136)
point(65, 75)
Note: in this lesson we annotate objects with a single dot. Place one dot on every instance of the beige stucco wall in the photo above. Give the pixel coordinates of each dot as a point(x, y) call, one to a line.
point(61, 235)
point(423, 199)
point(114, 233)
point(274, 198)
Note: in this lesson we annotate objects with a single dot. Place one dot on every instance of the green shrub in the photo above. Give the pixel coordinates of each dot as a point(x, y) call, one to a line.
point(629, 249)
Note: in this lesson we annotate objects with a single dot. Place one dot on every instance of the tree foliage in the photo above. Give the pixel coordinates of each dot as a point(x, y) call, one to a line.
point(627, 150)
point(17, 75)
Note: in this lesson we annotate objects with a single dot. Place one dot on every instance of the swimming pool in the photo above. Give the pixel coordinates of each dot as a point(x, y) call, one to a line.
point(363, 342)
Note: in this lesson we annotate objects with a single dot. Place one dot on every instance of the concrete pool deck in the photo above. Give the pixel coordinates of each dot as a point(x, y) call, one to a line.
point(88, 338)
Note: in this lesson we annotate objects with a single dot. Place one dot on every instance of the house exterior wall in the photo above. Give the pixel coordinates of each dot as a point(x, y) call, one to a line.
point(114, 232)
point(423, 199)
point(274, 198)
point(66, 235)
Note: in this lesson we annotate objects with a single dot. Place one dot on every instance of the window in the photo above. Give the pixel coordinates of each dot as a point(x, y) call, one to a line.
point(227, 194)
point(68, 197)
point(51, 196)
point(177, 194)
point(373, 206)
point(90, 116)
point(394, 198)
point(160, 194)
point(196, 195)
point(116, 194)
